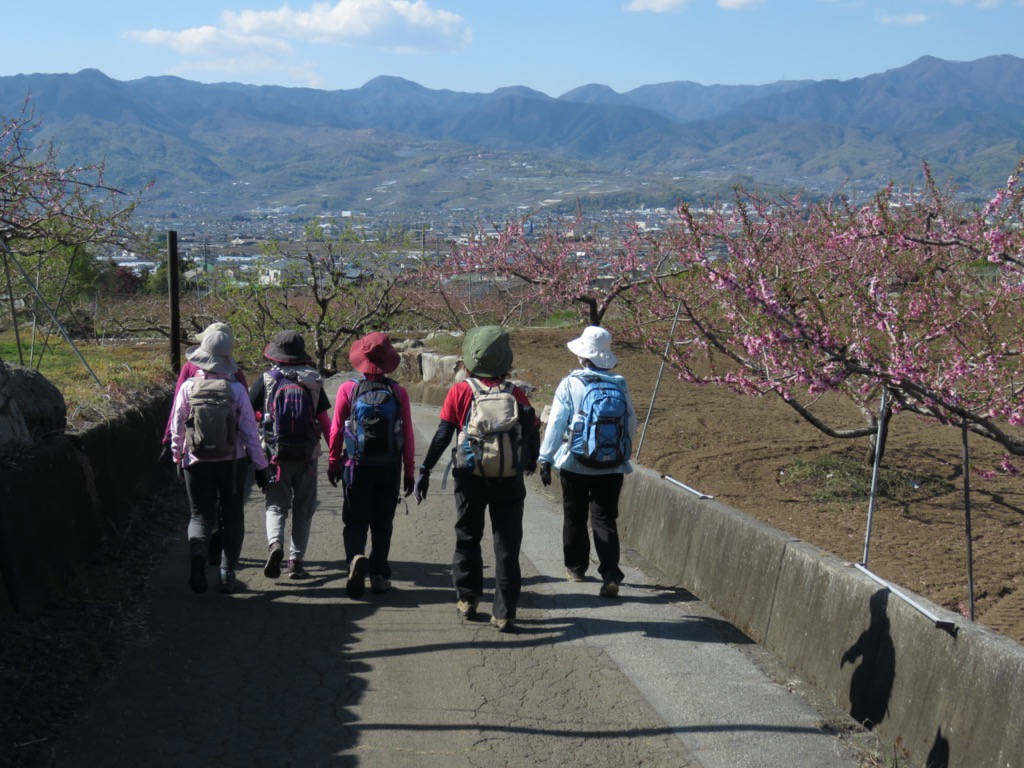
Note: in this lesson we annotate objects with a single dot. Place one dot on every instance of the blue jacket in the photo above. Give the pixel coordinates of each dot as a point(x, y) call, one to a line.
point(554, 448)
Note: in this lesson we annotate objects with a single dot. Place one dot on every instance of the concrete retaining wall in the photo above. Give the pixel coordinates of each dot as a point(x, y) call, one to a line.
point(944, 698)
point(62, 495)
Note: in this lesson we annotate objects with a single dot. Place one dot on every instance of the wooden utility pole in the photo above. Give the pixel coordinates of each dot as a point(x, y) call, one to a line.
point(172, 294)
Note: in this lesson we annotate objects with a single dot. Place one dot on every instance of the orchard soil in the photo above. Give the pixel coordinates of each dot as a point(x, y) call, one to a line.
point(753, 454)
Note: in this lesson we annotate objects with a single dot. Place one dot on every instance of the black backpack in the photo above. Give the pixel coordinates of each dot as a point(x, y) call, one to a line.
point(290, 429)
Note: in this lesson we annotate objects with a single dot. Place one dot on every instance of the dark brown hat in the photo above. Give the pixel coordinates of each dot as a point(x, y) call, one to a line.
point(288, 348)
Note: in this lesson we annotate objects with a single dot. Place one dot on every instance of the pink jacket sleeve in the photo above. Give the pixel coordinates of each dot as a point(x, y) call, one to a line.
point(250, 442)
point(342, 408)
point(408, 432)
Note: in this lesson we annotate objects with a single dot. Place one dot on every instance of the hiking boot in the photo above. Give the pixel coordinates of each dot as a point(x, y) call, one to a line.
point(573, 576)
point(379, 584)
point(296, 570)
point(197, 576)
point(504, 625)
point(610, 588)
point(272, 569)
point(228, 581)
point(467, 608)
point(356, 584)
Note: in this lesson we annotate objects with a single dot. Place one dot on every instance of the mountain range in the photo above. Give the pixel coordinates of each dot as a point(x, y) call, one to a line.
point(393, 145)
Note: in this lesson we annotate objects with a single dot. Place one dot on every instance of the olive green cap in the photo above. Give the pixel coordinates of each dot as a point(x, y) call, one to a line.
point(487, 352)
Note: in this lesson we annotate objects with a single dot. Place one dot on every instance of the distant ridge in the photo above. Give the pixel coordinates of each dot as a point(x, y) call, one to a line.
point(393, 144)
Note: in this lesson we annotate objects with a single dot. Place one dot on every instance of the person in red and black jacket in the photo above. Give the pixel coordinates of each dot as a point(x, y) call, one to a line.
point(487, 354)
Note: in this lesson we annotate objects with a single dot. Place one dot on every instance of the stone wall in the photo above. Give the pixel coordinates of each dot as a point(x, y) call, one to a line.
point(62, 494)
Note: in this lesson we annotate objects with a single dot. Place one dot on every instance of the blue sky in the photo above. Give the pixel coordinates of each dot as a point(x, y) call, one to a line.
point(480, 45)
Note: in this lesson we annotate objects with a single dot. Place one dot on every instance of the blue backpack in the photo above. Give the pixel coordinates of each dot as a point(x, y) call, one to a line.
point(290, 429)
point(373, 430)
point(599, 432)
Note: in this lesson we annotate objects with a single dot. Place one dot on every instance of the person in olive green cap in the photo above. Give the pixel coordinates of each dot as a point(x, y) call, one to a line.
point(498, 442)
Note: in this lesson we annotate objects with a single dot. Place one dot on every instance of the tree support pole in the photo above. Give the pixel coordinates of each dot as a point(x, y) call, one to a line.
point(657, 383)
point(53, 315)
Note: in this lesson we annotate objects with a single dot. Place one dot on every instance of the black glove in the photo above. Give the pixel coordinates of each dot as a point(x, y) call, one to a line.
point(409, 485)
point(422, 485)
point(545, 473)
point(262, 478)
point(166, 457)
point(181, 472)
point(531, 468)
point(334, 475)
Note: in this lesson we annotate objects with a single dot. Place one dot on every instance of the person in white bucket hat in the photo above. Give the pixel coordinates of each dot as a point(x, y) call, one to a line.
point(589, 440)
point(595, 345)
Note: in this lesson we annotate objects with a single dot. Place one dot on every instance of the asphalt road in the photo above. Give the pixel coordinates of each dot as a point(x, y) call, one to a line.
point(294, 673)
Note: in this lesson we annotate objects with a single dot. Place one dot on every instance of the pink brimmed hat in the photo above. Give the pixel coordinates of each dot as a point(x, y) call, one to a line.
point(374, 355)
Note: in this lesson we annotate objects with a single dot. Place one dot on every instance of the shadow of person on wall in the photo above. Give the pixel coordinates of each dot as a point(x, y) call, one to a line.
point(939, 755)
point(871, 684)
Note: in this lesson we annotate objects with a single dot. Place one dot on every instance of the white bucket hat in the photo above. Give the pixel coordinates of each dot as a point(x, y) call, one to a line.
point(595, 345)
point(214, 352)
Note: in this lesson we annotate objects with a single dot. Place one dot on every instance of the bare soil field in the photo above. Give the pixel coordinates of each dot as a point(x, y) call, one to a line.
point(754, 453)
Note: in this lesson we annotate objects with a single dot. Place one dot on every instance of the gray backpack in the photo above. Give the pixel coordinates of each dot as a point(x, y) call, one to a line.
point(212, 426)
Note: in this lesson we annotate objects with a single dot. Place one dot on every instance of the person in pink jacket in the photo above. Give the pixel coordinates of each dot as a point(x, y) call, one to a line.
point(370, 459)
point(188, 370)
point(215, 486)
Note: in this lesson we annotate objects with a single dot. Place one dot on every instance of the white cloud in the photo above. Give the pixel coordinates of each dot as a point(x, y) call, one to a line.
point(398, 25)
point(656, 6)
point(735, 5)
point(392, 24)
point(906, 19)
point(201, 41)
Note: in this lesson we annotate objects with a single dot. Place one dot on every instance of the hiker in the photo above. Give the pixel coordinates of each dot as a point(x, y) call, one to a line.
point(293, 412)
point(372, 448)
point(213, 429)
point(188, 370)
point(593, 409)
point(488, 463)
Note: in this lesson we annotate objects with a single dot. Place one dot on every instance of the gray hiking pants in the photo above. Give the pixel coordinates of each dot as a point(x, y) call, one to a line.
point(295, 490)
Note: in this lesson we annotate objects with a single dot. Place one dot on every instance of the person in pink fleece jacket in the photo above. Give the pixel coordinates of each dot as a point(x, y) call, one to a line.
point(371, 483)
point(215, 486)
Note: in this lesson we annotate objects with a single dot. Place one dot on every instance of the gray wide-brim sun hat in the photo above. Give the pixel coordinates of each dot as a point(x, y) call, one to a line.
point(214, 352)
point(215, 328)
point(487, 352)
point(595, 345)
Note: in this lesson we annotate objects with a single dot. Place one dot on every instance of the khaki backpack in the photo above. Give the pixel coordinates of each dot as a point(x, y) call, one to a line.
point(490, 441)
